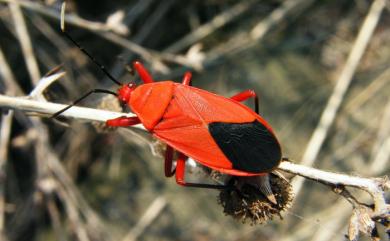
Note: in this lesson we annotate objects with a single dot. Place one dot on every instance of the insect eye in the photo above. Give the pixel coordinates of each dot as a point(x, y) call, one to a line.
point(131, 85)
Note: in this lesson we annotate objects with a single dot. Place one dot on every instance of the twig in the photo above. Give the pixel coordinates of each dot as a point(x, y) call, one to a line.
point(49, 32)
point(374, 186)
point(74, 217)
point(209, 27)
point(276, 16)
point(5, 131)
point(150, 214)
point(5, 134)
point(140, 36)
point(149, 55)
point(135, 10)
point(8, 77)
point(381, 149)
point(50, 168)
point(328, 115)
point(71, 19)
point(376, 85)
point(363, 217)
point(25, 41)
point(55, 218)
point(43, 84)
point(48, 108)
point(245, 40)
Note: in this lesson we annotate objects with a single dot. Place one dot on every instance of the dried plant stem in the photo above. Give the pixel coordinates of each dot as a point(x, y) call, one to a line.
point(36, 93)
point(25, 41)
point(328, 115)
point(71, 19)
point(374, 186)
point(47, 108)
point(106, 32)
point(150, 214)
point(381, 149)
point(5, 131)
point(208, 28)
point(244, 40)
point(145, 32)
point(8, 76)
point(56, 218)
point(5, 134)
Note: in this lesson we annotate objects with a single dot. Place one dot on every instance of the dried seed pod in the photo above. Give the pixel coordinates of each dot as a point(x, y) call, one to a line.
point(247, 202)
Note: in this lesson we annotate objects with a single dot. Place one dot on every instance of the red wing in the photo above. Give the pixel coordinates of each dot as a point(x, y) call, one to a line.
point(184, 126)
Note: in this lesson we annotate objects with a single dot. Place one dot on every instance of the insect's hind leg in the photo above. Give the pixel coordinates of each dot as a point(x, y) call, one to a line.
point(187, 78)
point(168, 162)
point(180, 172)
point(246, 94)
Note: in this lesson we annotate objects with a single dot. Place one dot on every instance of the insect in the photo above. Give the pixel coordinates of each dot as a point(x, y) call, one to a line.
point(218, 132)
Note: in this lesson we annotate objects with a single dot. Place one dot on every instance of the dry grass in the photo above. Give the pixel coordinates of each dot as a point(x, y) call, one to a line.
point(73, 182)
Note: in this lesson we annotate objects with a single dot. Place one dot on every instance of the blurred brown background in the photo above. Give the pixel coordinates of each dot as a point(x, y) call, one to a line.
point(79, 182)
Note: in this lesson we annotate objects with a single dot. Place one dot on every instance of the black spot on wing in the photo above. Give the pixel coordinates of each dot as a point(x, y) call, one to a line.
point(251, 147)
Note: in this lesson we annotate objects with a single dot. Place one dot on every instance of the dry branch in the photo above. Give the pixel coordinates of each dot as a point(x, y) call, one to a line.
point(152, 56)
point(374, 186)
point(148, 217)
point(329, 114)
point(25, 41)
point(65, 189)
point(5, 132)
point(47, 109)
point(209, 27)
point(71, 19)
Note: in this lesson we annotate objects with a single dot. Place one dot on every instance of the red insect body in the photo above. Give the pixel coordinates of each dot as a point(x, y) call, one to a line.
point(216, 131)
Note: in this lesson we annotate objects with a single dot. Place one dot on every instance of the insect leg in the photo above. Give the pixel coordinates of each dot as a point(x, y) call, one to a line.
point(180, 171)
point(187, 78)
point(142, 72)
point(168, 162)
point(242, 96)
point(123, 121)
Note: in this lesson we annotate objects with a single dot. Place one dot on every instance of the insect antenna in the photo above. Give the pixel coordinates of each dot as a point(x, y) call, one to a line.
point(81, 98)
point(102, 67)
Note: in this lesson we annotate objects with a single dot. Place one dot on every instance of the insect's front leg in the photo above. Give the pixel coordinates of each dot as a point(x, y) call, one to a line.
point(187, 79)
point(143, 73)
point(123, 121)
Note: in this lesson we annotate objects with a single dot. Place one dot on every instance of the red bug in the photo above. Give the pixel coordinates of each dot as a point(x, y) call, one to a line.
point(216, 131)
